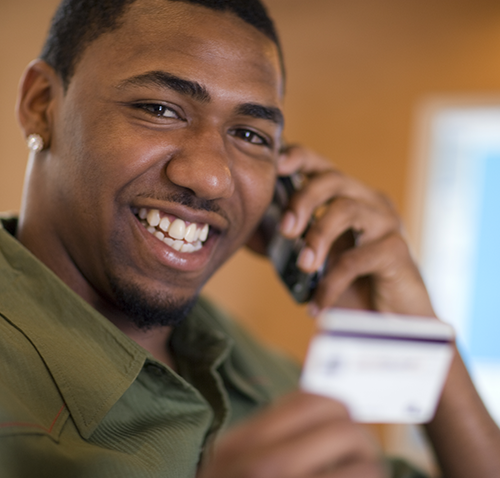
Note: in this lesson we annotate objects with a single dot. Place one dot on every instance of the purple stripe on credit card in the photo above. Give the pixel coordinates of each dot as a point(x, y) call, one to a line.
point(358, 335)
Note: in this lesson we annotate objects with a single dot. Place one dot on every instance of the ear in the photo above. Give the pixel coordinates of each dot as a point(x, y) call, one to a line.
point(39, 87)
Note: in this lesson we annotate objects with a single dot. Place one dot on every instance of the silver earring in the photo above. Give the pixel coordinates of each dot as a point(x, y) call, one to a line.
point(35, 143)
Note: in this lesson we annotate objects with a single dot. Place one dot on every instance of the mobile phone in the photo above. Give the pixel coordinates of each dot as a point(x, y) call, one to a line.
point(284, 252)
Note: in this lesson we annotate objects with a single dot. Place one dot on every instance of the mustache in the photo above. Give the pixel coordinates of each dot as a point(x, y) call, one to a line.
point(189, 199)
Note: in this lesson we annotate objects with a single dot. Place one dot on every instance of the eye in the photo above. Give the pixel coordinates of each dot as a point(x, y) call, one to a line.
point(158, 110)
point(250, 136)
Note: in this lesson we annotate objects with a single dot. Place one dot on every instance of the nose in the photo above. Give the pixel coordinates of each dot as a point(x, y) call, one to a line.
point(202, 164)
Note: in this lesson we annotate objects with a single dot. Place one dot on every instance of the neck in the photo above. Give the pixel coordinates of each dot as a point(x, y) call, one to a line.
point(154, 340)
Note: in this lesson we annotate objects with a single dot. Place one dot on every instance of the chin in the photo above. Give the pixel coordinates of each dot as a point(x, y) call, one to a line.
point(147, 310)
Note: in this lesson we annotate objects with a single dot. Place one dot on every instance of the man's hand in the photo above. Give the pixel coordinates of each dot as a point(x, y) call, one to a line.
point(301, 436)
point(465, 438)
point(376, 271)
point(380, 255)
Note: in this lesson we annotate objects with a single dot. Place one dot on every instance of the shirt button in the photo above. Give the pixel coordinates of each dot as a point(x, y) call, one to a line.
point(154, 369)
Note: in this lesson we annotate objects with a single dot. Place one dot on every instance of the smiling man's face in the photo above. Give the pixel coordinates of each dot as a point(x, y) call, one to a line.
point(162, 156)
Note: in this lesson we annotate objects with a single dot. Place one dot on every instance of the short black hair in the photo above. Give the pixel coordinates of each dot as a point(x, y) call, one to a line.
point(77, 23)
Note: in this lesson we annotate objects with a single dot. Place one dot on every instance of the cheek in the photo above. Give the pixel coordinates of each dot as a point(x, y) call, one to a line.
point(102, 155)
point(259, 190)
point(80, 149)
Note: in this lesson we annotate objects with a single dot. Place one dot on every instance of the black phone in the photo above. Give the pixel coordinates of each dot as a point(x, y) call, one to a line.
point(284, 252)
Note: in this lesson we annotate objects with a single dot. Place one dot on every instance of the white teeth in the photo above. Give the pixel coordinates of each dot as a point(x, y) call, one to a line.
point(177, 229)
point(159, 235)
point(204, 233)
point(197, 235)
point(176, 234)
point(153, 217)
point(187, 248)
point(177, 245)
point(190, 234)
point(164, 224)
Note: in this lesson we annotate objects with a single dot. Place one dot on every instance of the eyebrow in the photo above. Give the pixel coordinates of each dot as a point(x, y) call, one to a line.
point(270, 113)
point(166, 80)
point(198, 92)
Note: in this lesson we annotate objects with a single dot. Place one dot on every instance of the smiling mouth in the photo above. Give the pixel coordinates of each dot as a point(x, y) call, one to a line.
point(173, 231)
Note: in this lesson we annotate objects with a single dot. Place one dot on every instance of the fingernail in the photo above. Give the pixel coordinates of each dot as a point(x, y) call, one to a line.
point(288, 223)
point(312, 309)
point(306, 258)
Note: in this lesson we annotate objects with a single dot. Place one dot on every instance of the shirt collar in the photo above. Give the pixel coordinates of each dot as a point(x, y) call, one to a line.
point(92, 362)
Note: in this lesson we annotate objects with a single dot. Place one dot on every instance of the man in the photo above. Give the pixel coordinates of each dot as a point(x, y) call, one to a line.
point(155, 129)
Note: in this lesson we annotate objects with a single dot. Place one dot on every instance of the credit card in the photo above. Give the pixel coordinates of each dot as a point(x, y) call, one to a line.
point(385, 368)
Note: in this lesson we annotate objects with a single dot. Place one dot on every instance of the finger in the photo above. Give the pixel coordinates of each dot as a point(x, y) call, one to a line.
point(328, 441)
point(396, 283)
point(329, 445)
point(289, 416)
point(304, 161)
point(368, 469)
point(383, 259)
point(343, 214)
point(297, 158)
point(320, 191)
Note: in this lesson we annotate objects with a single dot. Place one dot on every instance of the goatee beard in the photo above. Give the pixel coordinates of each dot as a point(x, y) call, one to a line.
point(147, 312)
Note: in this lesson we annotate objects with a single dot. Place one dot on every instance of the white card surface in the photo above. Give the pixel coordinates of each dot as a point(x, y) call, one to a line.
point(386, 368)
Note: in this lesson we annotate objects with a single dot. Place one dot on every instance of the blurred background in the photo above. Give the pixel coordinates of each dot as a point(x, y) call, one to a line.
point(403, 95)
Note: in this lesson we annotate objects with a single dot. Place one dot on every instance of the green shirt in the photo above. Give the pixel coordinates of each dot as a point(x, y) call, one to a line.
point(78, 398)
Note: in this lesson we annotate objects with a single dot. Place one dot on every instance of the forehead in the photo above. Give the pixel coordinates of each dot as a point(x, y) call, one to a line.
point(190, 41)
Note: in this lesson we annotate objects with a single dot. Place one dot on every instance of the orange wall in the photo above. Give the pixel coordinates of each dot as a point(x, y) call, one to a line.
point(357, 70)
